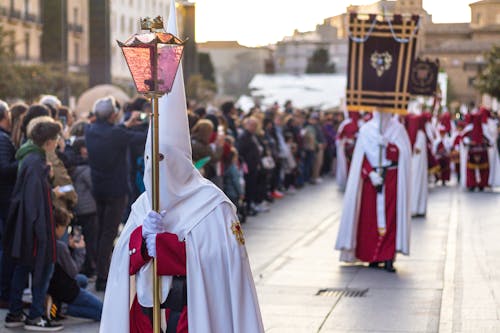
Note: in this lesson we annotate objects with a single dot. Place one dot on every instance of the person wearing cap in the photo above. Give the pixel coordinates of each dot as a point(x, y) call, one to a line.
point(375, 222)
point(107, 146)
point(196, 238)
point(29, 232)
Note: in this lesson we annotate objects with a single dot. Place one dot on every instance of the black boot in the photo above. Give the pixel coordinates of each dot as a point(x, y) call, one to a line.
point(375, 264)
point(389, 266)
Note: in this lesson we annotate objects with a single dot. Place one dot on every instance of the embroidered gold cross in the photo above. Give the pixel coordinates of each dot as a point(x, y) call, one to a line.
point(236, 228)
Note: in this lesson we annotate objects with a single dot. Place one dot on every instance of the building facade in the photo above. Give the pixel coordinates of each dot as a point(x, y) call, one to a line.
point(21, 20)
point(235, 64)
point(293, 53)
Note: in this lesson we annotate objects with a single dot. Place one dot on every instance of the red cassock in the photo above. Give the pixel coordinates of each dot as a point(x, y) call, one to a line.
point(443, 159)
point(370, 245)
point(478, 168)
point(171, 260)
point(349, 133)
point(455, 153)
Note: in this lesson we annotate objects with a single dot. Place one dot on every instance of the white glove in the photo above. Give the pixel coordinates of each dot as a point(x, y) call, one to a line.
point(152, 226)
point(466, 140)
point(382, 140)
point(375, 178)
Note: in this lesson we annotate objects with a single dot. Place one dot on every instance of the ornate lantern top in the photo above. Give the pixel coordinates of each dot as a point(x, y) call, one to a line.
point(153, 57)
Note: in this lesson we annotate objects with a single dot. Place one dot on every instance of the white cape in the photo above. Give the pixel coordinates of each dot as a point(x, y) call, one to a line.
point(221, 292)
point(396, 134)
point(491, 132)
point(419, 176)
point(341, 172)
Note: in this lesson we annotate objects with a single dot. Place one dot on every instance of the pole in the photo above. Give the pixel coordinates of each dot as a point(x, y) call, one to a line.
point(155, 152)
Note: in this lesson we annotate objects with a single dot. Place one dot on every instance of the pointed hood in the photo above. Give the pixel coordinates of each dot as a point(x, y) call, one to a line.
point(184, 193)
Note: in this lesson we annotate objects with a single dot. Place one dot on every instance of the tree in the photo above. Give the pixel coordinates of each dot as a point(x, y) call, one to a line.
point(320, 62)
point(488, 81)
point(199, 89)
point(206, 67)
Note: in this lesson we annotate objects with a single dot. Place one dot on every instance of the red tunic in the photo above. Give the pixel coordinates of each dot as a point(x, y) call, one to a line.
point(444, 162)
point(478, 168)
point(349, 132)
point(171, 257)
point(370, 246)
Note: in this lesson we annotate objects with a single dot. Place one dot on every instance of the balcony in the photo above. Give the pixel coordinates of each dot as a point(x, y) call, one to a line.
point(31, 18)
point(15, 14)
point(74, 27)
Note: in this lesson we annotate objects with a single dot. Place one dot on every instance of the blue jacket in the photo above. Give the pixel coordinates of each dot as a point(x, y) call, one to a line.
point(107, 147)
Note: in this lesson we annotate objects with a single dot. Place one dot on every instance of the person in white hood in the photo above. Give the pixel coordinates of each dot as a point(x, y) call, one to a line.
point(206, 281)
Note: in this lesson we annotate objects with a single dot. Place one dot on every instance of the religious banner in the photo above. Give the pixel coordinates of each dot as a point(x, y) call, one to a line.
point(424, 77)
point(381, 54)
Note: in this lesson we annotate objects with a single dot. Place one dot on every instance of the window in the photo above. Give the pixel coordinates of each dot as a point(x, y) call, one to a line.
point(77, 54)
point(12, 5)
point(131, 25)
point(26, 8)
point(75, 15)
point(470, 82)
point(122, 23)
point(478, 18)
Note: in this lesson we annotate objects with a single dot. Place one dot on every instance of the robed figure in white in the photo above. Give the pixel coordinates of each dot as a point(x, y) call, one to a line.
point(345, 142)
point(415, 125)
point(197, 234)
point(375, 221)
point(490, 130)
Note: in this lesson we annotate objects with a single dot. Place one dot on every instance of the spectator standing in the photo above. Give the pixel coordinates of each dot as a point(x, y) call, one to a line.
point(310, 146)
point(320, 148)
point(86, 209)
point(29, 233)
point(229, 113)
point(201, 147)
point(8, 172)
point(251, 153)
point(107, 146)
point(34, 111)
point(17, 112)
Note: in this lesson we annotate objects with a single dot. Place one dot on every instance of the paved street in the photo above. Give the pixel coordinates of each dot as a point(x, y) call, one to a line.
point(450, 283)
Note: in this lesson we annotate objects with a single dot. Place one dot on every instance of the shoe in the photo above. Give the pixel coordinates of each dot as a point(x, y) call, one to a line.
point(12, 320)
point(389, 267)
point(277, 195)
point(100, 285)
point(42, 324)
point(319, 180)
point(262, 207)
point(375, 264)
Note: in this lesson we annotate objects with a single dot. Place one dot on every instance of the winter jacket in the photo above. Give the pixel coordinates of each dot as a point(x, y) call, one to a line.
point(250, 150)
point(82, 181)
point(107, 146)
point(63, 286)
point(29, 229)
point(232, 186)
point(8, 170)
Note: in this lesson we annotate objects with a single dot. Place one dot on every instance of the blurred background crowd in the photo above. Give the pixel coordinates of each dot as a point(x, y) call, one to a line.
point(93, 169)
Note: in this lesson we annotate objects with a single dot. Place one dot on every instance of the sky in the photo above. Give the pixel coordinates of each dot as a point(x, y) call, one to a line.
point(263, 22)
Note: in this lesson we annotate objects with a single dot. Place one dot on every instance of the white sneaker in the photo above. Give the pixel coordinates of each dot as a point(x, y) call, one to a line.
point(262, 207)
point(291, 190)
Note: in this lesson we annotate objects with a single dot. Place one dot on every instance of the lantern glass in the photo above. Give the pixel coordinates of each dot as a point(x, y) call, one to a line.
point(140, 64)
point(169, 58)
point(150, 54)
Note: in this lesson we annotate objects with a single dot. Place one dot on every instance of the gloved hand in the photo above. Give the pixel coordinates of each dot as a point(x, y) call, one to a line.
point(151, 226)
point(382, 140)
point(375, 178)
point(466, 140)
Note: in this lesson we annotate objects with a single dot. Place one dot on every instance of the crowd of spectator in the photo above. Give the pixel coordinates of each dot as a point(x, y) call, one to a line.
point(66, 184)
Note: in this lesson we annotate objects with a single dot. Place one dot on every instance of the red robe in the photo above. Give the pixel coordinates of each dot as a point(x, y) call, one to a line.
point(443, 159)
point(477, 161)
point(370, 245)
point(455, 154)
point(349, 133)
point(171, 260)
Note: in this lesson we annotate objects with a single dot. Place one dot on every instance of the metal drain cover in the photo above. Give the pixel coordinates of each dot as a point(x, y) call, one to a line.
point(342, 292)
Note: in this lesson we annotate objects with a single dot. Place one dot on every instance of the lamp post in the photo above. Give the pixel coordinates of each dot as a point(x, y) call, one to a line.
point(153, 57)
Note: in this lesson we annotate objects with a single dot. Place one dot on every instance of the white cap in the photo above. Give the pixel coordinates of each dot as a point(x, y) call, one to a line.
point(51, 100)
point(105, 107)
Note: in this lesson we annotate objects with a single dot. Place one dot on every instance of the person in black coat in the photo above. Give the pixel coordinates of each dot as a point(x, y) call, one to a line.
point(29, 231)
point(107, 146)
point(8, 172)
point(251, 153)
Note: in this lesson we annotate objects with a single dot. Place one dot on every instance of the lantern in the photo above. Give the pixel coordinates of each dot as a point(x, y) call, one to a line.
point(153, 58)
